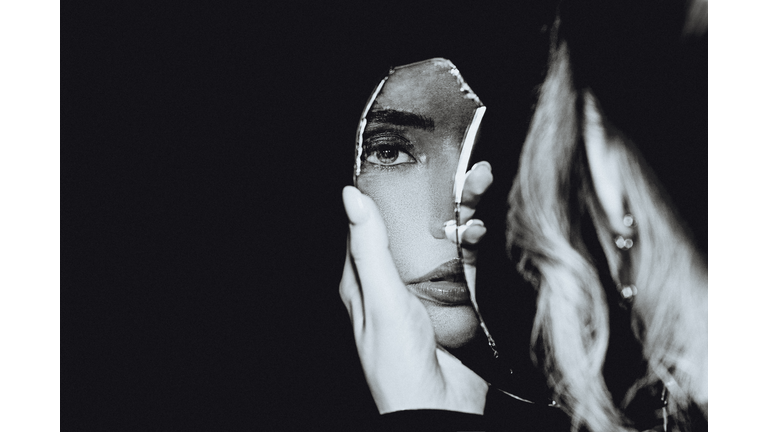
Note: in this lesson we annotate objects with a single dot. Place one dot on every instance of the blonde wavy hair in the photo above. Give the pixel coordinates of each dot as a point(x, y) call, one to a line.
point(552, 194)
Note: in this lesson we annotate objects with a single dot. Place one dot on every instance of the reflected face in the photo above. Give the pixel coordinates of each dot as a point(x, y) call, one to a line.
point(409, 156)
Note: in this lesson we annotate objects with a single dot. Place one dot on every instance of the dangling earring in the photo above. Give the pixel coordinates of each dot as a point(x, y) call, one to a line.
point(627, 289)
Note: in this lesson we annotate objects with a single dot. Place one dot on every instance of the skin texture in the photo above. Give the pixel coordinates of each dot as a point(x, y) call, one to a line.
point(403, 365)
point(408, 168)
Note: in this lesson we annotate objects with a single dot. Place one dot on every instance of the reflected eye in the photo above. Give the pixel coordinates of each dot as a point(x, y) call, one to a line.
point(388, 155)
point(388, 152)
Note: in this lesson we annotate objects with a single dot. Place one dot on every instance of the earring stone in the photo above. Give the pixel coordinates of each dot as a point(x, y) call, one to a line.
point(628, 291)
point(623, 243)
point(629, 220)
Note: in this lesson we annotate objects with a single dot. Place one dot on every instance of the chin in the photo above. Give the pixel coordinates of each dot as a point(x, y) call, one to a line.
point(455, 326)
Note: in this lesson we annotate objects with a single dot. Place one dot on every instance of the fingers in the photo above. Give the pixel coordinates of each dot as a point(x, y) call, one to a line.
point(469, 234)
point(477, 181)
point(377, 276)
point(471, 231)
point(473, 234)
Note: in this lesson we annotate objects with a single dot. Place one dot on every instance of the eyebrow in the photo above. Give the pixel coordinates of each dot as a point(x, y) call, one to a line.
point(402, 118)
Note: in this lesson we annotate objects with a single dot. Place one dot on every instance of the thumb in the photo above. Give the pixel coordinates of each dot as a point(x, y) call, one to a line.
point(369, 246)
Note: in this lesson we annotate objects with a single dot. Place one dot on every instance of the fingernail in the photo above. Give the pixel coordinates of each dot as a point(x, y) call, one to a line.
point(451, 230)
point(353, 204)
point(482, 163)
point(473, 234)
point(475, 222)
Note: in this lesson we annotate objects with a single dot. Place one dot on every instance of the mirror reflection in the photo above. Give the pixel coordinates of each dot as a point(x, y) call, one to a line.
point(415, 134)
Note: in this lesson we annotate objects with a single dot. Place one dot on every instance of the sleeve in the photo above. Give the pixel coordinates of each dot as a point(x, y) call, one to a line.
point(429, 421)
point(502, 413)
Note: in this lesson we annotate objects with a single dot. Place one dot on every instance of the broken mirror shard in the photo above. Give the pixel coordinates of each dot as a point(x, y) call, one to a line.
point(412, 151)
point(413, 147)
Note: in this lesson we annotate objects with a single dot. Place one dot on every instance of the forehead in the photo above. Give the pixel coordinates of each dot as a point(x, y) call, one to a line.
point(432, 88)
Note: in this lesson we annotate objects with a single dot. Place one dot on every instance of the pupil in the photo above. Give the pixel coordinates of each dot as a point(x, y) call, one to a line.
point(387, 154)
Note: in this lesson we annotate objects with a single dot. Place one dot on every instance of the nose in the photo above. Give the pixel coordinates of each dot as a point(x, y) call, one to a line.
point(442, 208)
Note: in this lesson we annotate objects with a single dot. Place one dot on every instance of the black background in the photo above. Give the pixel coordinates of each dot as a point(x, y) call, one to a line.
point(206, 146)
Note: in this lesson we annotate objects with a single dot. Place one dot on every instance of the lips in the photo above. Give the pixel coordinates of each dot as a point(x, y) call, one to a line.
point(444, 285)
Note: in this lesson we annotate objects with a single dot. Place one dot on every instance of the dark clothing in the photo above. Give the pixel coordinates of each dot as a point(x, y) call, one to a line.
point(502, 413)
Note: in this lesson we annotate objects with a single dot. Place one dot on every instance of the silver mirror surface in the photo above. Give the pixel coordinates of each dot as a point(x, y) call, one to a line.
point(413, 146)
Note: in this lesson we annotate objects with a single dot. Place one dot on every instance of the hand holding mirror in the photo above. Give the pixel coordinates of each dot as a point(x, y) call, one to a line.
point(413, 147)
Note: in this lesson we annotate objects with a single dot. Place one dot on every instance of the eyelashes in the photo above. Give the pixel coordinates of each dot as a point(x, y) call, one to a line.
point(388, 151)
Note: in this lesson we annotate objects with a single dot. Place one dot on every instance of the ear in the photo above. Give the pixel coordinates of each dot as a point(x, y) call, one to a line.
point(602, 157)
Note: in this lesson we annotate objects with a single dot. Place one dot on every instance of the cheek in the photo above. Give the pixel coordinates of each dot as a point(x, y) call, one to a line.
point(410, 207)
point(403, 200)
